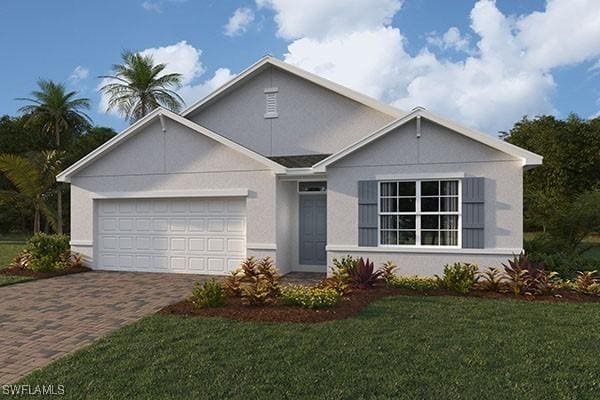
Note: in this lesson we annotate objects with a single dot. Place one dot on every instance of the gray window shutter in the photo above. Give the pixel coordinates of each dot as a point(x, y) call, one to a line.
point(367, 213)
point(473, 214)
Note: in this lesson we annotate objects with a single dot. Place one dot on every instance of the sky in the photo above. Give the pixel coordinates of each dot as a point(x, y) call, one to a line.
point(482, 63)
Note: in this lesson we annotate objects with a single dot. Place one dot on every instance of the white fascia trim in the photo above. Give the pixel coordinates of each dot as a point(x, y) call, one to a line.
point(81, 243)
point(163, 194)
point(66, 175)
point(261, 246)
point(423, 250)
point(432, 175)
point(339, 89)
point(528, 158)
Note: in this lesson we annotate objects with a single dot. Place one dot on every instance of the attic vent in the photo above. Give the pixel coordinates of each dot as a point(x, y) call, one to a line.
point(271, 102)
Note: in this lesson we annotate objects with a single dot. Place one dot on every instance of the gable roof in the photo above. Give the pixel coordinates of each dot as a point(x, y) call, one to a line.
point(159, 113)
point(528, 158)
point(267, 61)
point(300, 161)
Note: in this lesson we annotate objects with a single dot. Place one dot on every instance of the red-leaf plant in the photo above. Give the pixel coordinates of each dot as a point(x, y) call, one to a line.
point(362, 274)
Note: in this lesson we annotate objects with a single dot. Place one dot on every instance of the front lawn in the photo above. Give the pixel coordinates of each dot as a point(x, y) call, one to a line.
point(399, 347)
point(9, 247)
point(6, 280)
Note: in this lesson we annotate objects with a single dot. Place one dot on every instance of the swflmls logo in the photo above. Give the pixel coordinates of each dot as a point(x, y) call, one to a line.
point(33, 390)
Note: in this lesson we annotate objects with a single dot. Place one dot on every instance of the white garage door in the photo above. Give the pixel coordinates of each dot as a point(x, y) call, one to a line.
point(204, 236)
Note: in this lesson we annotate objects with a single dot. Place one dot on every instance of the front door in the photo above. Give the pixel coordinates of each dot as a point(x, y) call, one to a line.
point(313, 229)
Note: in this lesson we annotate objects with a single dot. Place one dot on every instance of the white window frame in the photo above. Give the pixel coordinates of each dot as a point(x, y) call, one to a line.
point(418, 214)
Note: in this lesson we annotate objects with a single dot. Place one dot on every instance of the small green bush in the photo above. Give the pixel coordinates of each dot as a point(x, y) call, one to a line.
point(47, 252)
point(421, 283)
point(209, 294)
point(460, 277)
point(310, 297)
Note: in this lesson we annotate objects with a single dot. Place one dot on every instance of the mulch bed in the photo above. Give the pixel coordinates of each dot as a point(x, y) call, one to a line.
point(348, 306)
point(16, 271)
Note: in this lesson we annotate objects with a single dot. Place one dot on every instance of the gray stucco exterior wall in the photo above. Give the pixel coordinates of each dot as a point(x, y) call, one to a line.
point(179, 160)
point(401, 154)
point(312, 120)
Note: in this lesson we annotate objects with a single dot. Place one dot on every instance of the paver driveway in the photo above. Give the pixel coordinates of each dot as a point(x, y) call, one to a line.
point(45, 319)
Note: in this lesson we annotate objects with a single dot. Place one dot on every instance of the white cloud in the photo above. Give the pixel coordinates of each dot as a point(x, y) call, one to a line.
point(370, 62)
point(185, 59)
point(240, 20)
point(319, 19)
point(451, 39)
point(566, 32)
point(155, 6)
point(193, 93)
point(79, 73)
point(504, 76)
point(180, 58)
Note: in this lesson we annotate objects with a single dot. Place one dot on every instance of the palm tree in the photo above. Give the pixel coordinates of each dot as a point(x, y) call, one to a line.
point(33, 178)
point(137, 87)
point(56, 111)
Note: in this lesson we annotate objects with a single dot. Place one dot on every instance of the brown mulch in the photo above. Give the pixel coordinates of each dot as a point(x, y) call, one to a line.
point(350, 305)
point(16, 271)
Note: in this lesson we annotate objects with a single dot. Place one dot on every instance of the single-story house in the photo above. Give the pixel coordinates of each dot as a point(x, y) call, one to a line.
point(282, 163)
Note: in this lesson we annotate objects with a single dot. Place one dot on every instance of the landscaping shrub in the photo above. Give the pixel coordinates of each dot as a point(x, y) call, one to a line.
point(256, 281)
point(421, 283)
point(556, 256)
point(527, 277)
point(492, 279)
point(362, 274)
point(340, 278)
point(564, 263)
point(587, 282)
point(387, 271)
point(460, 277)
point(310, 297)
point(209, 294)
point(45, 253)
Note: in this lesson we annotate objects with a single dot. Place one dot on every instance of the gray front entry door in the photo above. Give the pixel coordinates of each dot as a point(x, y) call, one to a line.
point(313, 229)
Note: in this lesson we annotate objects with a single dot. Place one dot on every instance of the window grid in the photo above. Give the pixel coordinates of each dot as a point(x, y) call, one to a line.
point(413, 229)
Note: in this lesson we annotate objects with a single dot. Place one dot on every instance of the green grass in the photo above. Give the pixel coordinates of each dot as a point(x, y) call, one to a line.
point(10, 245)
point(9, 280)
point(401, 347)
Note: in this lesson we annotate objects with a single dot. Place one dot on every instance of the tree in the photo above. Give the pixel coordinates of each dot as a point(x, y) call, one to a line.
point(56, 111)
point(137, 87)
point(571, 150)
point(33, 178)
point(86, 143)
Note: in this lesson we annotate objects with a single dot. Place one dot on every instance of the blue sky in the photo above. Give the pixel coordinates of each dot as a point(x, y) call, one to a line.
point(483, 63)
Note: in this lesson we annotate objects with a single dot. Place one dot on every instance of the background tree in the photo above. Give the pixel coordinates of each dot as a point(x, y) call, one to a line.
point(57, 112)
point(571, 150)
point(34, 178)
point(137, 87)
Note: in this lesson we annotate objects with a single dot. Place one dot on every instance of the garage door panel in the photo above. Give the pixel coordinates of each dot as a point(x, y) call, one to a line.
point(178, 263)
point(160, 243)
point(178, 225)
point(126, 242)
point(178, 244)
point(160, 225)
point(180, 235)
point(197, 244)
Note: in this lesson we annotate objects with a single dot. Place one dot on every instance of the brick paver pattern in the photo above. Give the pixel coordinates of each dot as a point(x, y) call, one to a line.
point(43, 320)
point(46, 319)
